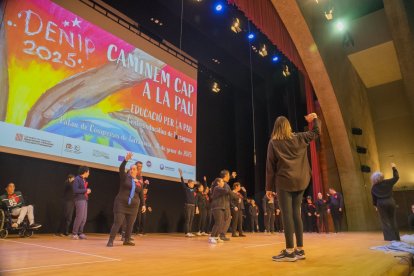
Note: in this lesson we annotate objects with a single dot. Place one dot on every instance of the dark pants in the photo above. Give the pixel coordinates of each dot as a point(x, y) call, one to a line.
point(138, 222)
point(189, 210)
point(323, 223)
point(119, 219)
point(202, 219)
point(290, 203)
point(310, 223)
point(227, 222)
point(219, 222)
point(269, 220)
point(411, 222)
point(237, 221)
point(386, 210)
point(278, 223)
point(67, 214)
point(337, 218)
point(81, 207)
point(209, 221)
point(254, 222)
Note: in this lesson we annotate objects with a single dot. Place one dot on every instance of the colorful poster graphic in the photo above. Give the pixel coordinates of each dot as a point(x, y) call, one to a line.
point(64, 76)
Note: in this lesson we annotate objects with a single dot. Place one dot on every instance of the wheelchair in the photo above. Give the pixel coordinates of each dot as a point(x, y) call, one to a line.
point(6, 222)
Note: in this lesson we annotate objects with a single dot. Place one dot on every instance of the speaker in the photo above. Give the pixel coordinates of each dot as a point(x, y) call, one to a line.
point(361, 150)
point(356, 131)
point(365, 169)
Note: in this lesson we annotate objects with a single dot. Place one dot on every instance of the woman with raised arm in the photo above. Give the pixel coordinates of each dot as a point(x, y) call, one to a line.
point(288, 173)
point(127, 202)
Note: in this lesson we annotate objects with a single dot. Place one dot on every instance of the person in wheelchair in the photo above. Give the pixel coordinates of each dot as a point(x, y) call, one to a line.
point(14, 202)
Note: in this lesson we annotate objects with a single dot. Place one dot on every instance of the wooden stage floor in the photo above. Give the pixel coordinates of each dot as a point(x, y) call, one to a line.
point(173, 254)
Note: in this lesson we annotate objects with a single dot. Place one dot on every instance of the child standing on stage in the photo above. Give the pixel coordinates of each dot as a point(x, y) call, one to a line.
point(254, 216)
point(201, 210)
point(189, 206)
point(218, 206)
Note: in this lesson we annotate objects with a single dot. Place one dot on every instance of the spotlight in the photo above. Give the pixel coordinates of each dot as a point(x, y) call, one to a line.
point(263, 51)
point(340, 26)
point(286, 72)
point(250, 36)
point(275, 58)
point(215, 87)
point(329, 14)
point(235, 27)
point(218, 7)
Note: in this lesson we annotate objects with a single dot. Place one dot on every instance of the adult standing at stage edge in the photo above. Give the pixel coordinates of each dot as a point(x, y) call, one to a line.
point(127, 202)
point(336, 208)
point(381, 192)
point(288, 173)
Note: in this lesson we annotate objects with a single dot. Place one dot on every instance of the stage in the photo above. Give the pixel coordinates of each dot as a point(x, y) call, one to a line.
point(173, 254)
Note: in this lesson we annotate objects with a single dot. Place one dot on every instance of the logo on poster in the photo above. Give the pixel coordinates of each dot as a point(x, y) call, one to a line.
point(19, 137)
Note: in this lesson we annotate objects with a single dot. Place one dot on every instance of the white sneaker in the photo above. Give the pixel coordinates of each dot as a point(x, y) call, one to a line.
point(212, 240)
point(204, 234)
point(75, 237)
point(198, 233)
point(188, 235)
point(191, 235)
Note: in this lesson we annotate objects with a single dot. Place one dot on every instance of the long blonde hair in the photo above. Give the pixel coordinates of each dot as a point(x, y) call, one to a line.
point(282, 129)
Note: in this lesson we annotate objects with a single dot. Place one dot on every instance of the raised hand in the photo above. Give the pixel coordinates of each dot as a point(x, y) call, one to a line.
point(128, 156)
point(309, 118)
point(205, 178)
point(233, 175)
point(393, 165)
point(146, 182)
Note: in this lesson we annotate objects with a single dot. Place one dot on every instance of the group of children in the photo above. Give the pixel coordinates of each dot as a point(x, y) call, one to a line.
point(213, 210)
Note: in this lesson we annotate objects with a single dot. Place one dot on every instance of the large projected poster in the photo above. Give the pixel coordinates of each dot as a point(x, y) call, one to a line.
point(73, 90)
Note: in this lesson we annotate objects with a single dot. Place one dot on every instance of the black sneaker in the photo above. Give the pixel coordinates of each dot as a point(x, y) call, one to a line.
point(284, 256)
point(110, 243)
point(300, 254)
point(224, 238)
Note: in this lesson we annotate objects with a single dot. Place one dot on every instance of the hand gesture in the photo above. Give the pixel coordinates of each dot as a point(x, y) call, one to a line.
point(88, 191)
point(243, 189)
point(233, 175)
point(180, 171)
point(393, 165)
point(205, 179)
point(236, 209)
point(269, 194)
point(146, 182)
point(309, 214)
point(144, 209)
point(149, 209)
point(310, 117)
point(128, 156)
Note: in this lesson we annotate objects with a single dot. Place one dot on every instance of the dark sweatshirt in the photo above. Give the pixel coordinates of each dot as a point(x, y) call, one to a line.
point(219, 198)
point(12, 201)
point(336, 201)
point(287, 165)
point(201, 201)
point(383, 189)
point(80, 187)
point(254, 210)
point(268, 206)
point(189, 192)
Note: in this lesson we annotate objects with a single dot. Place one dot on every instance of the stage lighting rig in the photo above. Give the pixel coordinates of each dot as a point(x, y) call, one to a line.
point(286, 72)
point(215, 88)
point(263, 51)
point(235, 27)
